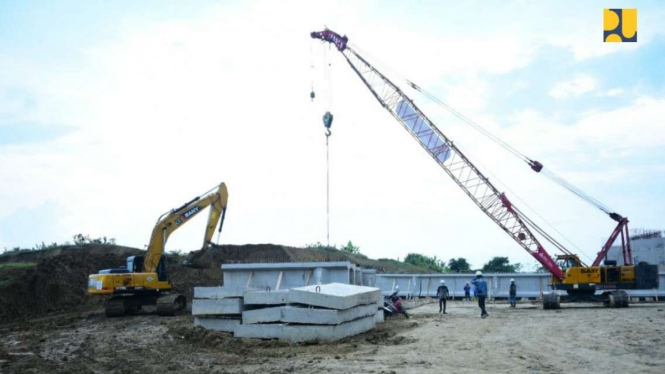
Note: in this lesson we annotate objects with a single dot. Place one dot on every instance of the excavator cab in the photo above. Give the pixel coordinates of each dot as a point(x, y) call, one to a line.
point(135, 264)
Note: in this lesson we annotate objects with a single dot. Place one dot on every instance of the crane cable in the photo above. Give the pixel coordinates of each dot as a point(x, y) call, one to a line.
point(530, 222)
point(327, 122)
point(328, 188)
point(511, 150)
point(535, 165)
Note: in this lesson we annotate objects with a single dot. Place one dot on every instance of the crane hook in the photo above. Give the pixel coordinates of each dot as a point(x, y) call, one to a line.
point(327, 122)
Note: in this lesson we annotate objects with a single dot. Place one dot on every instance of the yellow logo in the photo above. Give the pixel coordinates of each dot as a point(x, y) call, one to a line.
point(620, 25)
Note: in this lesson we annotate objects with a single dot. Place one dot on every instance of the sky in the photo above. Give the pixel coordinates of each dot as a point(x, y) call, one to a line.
point(112, 113)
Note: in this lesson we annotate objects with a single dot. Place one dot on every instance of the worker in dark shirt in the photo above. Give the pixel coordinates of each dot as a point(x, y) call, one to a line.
point(481, 292)
point(513, 293)
point(442, 294)
point(467, 291)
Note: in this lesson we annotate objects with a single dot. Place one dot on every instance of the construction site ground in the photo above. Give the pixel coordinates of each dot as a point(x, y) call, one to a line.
point(526, 339)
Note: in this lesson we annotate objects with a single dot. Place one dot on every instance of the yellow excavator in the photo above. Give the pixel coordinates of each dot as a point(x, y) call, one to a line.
point(144, 280)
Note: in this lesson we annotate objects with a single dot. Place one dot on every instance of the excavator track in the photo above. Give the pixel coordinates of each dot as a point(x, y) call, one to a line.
point(115, 307)
point(170, 305)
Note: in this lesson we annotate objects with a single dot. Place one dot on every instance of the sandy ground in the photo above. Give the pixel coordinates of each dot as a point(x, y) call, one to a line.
point(526, 339)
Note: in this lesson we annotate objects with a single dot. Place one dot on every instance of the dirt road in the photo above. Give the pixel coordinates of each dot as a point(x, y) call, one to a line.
point(526, 339)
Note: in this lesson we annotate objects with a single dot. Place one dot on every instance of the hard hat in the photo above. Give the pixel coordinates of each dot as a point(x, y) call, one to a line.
point(479, 273)
point(442, 281)
point(512, 280)
point(397, 287)
point(467, 282)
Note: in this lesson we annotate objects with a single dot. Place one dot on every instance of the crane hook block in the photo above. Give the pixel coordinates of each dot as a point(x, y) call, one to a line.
point(312, 95)
point(327, 120)
point(536, 166)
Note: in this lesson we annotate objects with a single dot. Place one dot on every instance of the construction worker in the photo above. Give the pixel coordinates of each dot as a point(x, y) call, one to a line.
point(442, 294)
point(481, 292)
point(513, 293)
point(467, 291)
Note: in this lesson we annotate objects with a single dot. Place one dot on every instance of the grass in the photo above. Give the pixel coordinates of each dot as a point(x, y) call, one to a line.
point(9, 274)
point(17, 265)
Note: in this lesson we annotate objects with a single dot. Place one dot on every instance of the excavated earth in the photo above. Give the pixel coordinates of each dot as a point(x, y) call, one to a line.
point(49, 324)
point(523, 340)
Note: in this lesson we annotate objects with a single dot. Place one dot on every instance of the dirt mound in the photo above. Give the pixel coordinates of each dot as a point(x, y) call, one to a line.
point(234, 254)
point(35, 283)
point(58, 282)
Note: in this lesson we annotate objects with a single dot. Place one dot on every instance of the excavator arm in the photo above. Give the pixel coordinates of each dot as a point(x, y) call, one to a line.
point(493, 203)
point(176, 218)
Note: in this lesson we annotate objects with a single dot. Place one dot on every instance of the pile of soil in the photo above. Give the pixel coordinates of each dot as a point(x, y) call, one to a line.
point(58, 280)
point(217, 255)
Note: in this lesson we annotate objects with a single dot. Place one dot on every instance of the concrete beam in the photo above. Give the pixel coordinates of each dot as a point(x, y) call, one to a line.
point(265, 315)
point(218, 292)
point(287, 275)
point(267, 298)
point(326, 316)
point(379, 317)
point(265, 331)
point(217, 306)
point(304, 333)
point(307, 316)
point(217, 324)
point(335, 295)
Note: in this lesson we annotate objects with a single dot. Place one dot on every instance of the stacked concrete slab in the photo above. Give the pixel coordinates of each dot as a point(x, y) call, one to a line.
point(324, 312)
point(218, 308)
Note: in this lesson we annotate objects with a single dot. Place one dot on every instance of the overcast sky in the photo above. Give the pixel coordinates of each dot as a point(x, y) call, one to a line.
point(112, 113)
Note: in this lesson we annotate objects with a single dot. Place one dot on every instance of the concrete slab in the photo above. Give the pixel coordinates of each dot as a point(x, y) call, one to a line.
point(266, 297)
point(379, 317)
point(304, 333)
point(309, 316)
point(218, 292)
point(335, 295)
point(217, 306)
point(265, 315)
point(264, 331)
point(217, 324)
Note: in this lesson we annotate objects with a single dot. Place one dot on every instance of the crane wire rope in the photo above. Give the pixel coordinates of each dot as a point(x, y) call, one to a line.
point(327, 66)
point(512, 150)
point(530, 222)
point(549, 174)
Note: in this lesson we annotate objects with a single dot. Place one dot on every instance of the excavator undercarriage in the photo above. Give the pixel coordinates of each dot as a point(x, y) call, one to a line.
point(166, 304)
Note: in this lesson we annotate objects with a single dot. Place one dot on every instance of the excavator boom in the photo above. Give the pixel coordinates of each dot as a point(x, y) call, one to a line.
point(176, 218)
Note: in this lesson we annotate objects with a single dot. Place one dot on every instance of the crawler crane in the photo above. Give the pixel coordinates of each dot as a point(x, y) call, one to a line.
point(569, 274)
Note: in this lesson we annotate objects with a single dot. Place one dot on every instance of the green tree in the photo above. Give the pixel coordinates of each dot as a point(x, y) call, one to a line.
point(430, 263)
point(351, 248)
point(459, 265)
point(501, 265)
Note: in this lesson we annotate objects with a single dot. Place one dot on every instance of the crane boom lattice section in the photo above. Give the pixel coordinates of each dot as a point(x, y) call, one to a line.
point(494, 203)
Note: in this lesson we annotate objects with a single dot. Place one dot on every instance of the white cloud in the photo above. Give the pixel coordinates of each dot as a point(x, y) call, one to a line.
point(611, 93)
point(573, 88)
point(168, 109)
